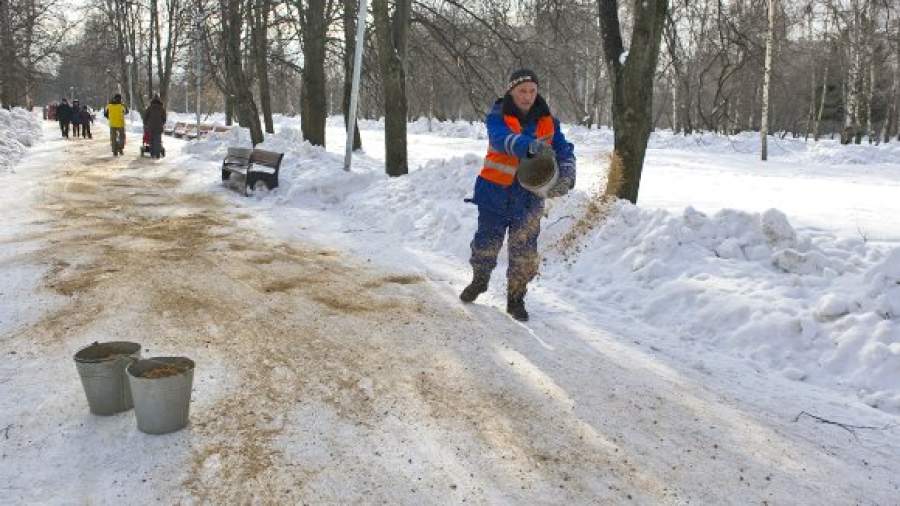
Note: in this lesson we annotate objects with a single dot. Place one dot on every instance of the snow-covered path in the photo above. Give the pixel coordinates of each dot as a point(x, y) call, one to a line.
point(323, 379)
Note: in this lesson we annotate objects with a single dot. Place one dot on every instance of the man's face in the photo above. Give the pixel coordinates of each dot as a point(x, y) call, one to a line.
point(524, 95)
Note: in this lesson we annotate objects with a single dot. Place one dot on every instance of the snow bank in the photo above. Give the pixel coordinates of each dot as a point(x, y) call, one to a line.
point(813, 308)
point(19, 129)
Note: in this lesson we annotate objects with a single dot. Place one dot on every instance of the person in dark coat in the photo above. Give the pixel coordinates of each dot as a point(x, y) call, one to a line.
point(519, 126)
point(154, 121)
point(64, 116)
point(76, 118)
point(86, 119)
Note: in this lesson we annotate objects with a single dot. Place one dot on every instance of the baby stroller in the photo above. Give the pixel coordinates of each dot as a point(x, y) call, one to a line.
point(145, 145)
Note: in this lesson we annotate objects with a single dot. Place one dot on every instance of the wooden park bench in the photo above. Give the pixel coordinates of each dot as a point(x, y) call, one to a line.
point(258, 168)
point(204, 130)
point(179, 130)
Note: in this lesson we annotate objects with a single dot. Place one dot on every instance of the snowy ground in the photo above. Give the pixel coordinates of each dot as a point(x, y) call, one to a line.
point(668, 361)
point(711, 256)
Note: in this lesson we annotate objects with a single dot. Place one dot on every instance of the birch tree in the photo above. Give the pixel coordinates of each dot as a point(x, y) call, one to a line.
point(767, 82)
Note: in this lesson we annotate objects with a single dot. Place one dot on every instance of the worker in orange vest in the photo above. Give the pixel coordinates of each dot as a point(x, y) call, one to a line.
point(519, 125)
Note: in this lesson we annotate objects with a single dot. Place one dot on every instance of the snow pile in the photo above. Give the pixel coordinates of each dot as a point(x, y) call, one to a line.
point(215, 145)
point(426, 208)
point(812, 307)
point(464, 129)
point(19, 129)
point(312, 175)
point(832, 152)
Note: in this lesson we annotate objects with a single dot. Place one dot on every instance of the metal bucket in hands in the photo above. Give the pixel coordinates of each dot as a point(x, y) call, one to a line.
point(538, 174)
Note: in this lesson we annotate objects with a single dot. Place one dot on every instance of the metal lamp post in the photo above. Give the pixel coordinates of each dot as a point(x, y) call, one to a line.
point(354, 87)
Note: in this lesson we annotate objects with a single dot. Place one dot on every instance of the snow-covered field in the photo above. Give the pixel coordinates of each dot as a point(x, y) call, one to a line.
point(790, 267)
point(775, 285)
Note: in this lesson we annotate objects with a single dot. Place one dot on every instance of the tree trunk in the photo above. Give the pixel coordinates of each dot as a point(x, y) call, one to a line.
point(631, 80)
point(821, 111)
point(892, 119)
point(673, 83)
point(260, 23)
point(154, 35)
point(391, 33)
point(854, 74)
point(351, 10)
point(164, 63)
point(315, 101)
point(245, 107)
point(870, 97)
point(767, 81)
point(7, 58)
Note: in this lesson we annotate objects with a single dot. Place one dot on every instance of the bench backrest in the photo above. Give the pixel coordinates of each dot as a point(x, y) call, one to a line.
point(238, 154)
point(219, 128)
point(267, 158)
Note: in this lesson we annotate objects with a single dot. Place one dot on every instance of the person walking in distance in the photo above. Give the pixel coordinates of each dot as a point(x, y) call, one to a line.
point(154, 121)
point(115, 112)
point(519, 126)
point(76, 119)
point(87, 119)
point(64, 116)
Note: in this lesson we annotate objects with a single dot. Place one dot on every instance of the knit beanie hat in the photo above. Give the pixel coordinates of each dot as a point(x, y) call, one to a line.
point(521, 76)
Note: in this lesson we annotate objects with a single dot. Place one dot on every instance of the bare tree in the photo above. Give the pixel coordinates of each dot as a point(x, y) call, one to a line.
point(259, 19)
point(31, 36)
point(237, 83)
point(176, 23)
point(391, 31)
point(631, 76)
point(314, 18)
point(8, 59)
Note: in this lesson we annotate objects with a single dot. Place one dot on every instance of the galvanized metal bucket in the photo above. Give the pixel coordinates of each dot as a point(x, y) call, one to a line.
point(538, 174)
point(162, 393)
point(101, 367)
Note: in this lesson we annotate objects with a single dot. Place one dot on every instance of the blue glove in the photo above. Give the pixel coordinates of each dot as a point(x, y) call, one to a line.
point(561, 188)
point(537, 147)
point(566, 179)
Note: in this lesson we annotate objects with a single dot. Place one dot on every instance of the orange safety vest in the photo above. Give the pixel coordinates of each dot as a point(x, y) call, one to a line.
point(500, 167)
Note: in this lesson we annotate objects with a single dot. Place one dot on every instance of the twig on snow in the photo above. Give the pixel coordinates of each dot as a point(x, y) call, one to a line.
point(847, 427)
point(566, 217)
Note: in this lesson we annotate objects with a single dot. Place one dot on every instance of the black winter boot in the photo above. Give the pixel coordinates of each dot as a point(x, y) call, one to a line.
point(515, 305)
point(478, 286)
